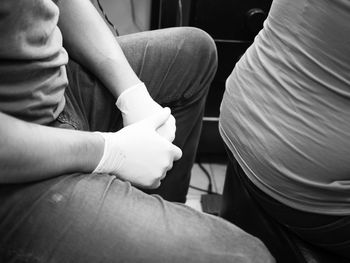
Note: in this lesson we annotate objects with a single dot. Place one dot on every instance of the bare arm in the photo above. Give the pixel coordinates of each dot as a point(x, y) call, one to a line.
point(89, 41)
point(30, 152)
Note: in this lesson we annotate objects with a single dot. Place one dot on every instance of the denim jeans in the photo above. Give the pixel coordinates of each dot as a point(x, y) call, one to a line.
point(99, 218)
point(329, 232)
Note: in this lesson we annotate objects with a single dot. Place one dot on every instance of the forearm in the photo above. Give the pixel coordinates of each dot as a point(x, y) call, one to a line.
point(30, 152)
point(89, 41)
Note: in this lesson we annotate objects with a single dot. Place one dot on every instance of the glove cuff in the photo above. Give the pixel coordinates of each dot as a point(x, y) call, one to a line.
point(134, 95)
point(110, 161)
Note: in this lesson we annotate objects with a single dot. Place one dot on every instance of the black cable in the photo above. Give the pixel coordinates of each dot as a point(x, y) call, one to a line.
point(199, 189)
point(107, 18)
point(210, 185)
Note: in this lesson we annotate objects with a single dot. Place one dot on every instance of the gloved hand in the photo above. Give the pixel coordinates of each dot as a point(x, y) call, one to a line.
point(136, 104)
point(138, 154)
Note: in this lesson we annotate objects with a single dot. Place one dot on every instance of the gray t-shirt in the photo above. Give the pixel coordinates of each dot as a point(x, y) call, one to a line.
point(285, 114)
point(32, 60)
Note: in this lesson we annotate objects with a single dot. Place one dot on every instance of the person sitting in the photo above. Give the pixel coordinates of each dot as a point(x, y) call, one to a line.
point(85, 180)
point(285, 118)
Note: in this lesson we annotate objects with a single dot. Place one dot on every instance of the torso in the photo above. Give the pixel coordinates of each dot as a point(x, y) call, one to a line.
point(286, 111)
point(32, 60)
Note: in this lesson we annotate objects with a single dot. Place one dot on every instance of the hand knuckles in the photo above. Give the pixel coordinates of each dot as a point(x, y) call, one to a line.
point(155, 183)
point(170, 166)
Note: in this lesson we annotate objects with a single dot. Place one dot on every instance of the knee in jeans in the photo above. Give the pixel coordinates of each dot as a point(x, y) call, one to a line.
point(201, 49)
point(204, 44)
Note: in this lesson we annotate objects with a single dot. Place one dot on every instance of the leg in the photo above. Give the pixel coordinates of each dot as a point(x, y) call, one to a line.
point(240, 208)
point(98, 218)
point(276, 224)
point(328, 232)
point(177, 66)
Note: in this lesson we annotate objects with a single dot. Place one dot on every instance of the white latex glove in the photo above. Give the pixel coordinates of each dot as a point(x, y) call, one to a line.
point(138, 154)
point(136, 104)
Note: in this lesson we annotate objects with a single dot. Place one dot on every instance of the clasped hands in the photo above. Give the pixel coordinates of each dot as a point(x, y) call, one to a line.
point(142, 152)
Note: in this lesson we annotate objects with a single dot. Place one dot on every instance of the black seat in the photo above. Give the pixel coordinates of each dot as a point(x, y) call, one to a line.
point(240, 208)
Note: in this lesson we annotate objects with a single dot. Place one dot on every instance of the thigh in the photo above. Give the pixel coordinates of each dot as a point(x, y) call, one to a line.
point(330, 232)
point(97, 218)
point(89, 104)
point(174, 63)
point(177, 65)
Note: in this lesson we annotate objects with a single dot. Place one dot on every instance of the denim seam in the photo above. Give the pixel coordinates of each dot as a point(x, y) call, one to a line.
point(65, 120)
